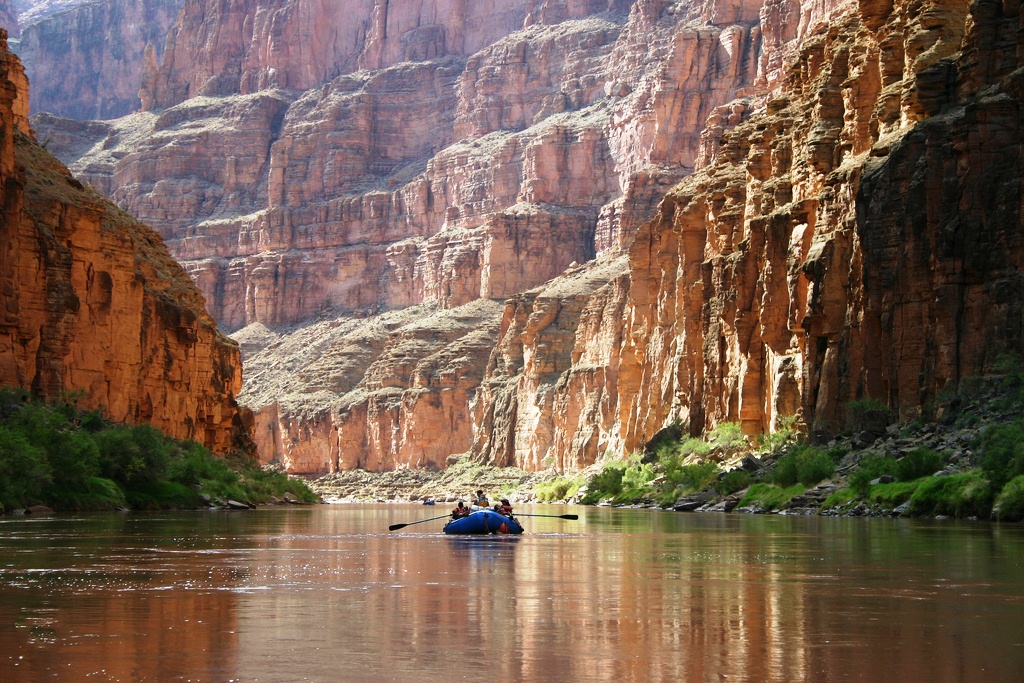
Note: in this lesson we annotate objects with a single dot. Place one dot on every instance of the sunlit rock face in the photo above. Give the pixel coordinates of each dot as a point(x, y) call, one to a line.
point(93, 302)
point(859, 237)
point(85, 59)
point(310, 160)
point(854, 234)
point(345, 176)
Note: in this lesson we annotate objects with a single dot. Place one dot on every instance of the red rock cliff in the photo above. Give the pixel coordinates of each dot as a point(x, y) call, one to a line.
point(92, 300)
point(850, 231)
point(857, 237)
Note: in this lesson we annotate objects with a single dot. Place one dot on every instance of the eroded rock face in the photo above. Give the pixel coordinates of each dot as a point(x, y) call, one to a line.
point(381, 393)
point(859, 239)
point(86, 61)
point(845, 227)
point(482, 149)
point(93, 301)
point(856, 236)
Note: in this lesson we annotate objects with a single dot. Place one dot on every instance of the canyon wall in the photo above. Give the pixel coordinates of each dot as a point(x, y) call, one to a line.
point(9, 18)
point(85, 60)
point(93, 302)
point(857, 237)
point(443, 154)
point(534, 231)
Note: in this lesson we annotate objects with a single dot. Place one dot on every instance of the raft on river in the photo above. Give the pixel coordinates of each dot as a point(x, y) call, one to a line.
point(483, 522)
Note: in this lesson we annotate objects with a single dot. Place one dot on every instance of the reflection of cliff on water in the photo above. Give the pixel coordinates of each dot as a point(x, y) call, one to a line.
point(485, 551)
point(327, 594)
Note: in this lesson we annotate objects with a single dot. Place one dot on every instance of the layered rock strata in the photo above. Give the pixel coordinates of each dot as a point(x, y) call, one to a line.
point(93, 302)
point(86, 60)
point(481, 150)
point(850, 231)
point(342, 393)
point(859, 239)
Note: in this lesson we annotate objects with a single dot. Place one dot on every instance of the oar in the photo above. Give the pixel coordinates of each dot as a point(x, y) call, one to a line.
point(523, 514)
point(396, 527)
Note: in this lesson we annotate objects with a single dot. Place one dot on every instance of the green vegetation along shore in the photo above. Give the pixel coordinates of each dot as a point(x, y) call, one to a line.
point(963, 457)
point(68, 459)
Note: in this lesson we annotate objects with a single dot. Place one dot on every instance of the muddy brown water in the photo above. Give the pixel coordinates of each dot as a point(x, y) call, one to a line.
point(327, 593)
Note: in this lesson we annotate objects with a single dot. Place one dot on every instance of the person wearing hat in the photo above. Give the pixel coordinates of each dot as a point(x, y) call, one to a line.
point(505, 508)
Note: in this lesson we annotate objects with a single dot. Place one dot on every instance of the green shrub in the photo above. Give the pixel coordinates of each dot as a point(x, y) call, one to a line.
point(866, 405)
point(727, 435)
point(162, 495)
point(95, 493)
point(1002, 452)
point(605, 484)
point(194, 466)
point(920, 462)
point(733, 481)
point(11, 401)
point(693, 446)
point(133, 455)
point(71, 460)
point(1009, 506)
point(637, 475)
point(961, 495)
point(785, 472)
point(557, 489)
point(695, 477)
point(805, 464)
point(259, 485)
point(814, 465)
point(624, 481)
point(665, 442)
point(840, 497)
point(75, 459)
point(777, 440)
point(870, 468)
point(24, 470)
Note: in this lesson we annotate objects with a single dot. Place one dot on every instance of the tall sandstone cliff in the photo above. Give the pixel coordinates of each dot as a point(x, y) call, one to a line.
point(449, 227)
point(858, 236)
point(93, 302)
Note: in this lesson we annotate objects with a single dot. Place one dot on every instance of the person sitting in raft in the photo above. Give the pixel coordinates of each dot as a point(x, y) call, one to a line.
point(505, 508)
point(481, 500)
point(460, 511)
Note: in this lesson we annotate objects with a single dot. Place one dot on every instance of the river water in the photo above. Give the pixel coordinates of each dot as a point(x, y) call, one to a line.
point(327, 593)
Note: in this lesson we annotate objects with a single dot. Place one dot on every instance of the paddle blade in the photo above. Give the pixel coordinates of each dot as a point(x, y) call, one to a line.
point(569, 516)
point(396, 527)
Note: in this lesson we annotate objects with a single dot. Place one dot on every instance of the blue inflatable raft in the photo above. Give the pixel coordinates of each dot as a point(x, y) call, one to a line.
point(483, 522)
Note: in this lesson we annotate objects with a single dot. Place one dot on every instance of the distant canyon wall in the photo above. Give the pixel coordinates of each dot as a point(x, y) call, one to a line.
point(9, 18)
point(93, 302)
point(536, 231)
point(86, 59)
